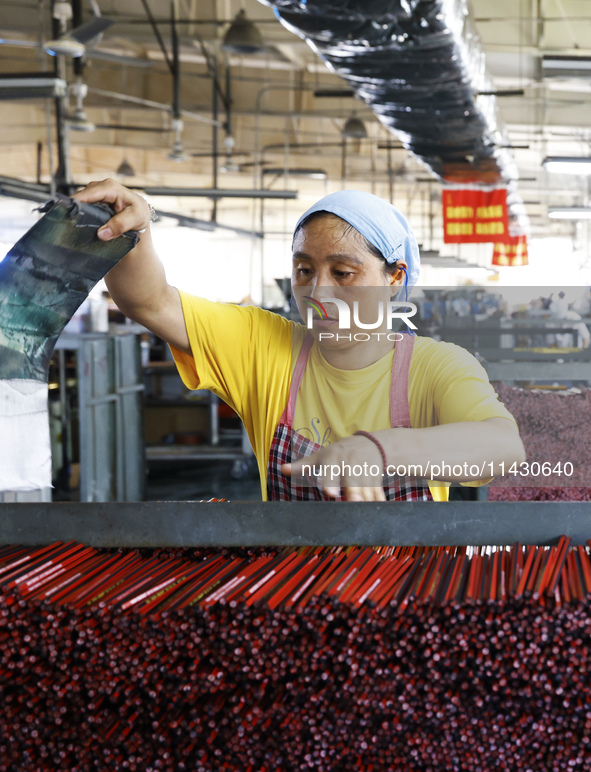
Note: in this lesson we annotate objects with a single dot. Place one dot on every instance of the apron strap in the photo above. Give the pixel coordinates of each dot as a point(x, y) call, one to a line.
point(296, 380)
point(399, 407)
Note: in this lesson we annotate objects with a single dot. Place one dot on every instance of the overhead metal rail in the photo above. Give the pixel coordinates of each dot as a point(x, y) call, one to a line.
point(219, 192)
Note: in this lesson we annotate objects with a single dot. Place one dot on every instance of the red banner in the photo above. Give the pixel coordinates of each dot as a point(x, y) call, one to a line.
point(511, 252)
point(475, 216)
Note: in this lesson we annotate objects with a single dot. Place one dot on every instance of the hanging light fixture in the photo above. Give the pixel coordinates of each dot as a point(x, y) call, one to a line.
point(242, 37)
point(125, 169)
point(229, 164)
point(64, 45)
point(177, 153)
point(78, 121)
point(354, 128)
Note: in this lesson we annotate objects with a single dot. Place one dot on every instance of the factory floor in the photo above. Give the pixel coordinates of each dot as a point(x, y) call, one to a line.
point(202, 481)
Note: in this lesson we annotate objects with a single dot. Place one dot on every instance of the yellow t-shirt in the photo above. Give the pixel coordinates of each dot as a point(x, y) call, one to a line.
point(246, 356)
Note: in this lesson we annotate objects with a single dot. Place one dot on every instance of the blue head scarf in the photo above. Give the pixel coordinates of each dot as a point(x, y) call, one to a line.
point(382, 224)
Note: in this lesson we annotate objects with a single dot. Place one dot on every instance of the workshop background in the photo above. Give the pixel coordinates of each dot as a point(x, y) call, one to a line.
point(232, 118)
point(155, 614)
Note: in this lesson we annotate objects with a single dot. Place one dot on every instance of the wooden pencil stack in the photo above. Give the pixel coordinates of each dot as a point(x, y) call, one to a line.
point(290, 659)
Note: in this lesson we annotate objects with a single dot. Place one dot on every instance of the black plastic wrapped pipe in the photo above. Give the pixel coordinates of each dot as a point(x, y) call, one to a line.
point(43, 279)
point(418, 64)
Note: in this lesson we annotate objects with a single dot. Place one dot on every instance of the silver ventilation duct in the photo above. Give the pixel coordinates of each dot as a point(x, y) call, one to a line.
point(419, 65)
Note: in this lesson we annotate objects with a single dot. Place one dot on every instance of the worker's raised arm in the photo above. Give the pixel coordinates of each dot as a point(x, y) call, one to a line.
point(138, 283)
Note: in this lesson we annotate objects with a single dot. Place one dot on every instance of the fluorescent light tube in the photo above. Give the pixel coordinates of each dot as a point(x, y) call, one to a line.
point(569, 212)
point(565, 164)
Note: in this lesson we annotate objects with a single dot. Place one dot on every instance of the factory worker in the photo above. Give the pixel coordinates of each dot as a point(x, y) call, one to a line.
point(330, 415)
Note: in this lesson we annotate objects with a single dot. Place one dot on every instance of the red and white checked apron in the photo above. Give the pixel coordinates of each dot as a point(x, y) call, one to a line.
point(288, 446)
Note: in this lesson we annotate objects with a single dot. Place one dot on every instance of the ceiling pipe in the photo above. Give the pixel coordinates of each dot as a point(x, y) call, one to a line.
point(215, 133)
point(216, 193)
point(149, 103)
point(154, 24)
point(62, 177)
point(29, 191)
point(40, 192)
point(177, 153)
point(187, 221)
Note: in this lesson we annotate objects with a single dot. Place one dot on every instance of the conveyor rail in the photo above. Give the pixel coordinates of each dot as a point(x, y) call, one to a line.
point(230, 524)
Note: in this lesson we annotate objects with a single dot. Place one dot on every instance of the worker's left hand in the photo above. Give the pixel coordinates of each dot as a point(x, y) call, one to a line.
point(352, 465)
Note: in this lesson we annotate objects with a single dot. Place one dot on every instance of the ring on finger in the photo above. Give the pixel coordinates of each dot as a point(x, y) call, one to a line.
point(153, 217)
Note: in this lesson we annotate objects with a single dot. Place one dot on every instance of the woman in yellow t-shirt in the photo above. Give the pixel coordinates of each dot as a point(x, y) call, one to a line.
point(341, 406)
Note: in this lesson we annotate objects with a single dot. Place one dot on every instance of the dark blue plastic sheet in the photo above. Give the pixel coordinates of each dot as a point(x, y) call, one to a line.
point(419, 65)
point(46, 276)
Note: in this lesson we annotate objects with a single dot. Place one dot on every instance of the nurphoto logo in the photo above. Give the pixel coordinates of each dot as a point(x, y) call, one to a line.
point(387, 311)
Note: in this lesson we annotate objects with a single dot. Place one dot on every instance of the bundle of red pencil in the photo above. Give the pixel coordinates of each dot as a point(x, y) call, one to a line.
point(400, 658)
point(531, 493)
point(552, 426)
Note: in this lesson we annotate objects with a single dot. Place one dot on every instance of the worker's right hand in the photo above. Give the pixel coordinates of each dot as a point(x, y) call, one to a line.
point(133, 211)
point(345, 454)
